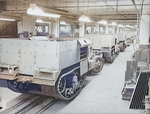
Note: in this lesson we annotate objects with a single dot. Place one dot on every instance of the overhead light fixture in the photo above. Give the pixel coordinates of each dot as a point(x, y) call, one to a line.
point(41, 21)
point(130, 26)
point(84, 19)
point(63, 23)
point(34, 10)
point(120, 25)
point(103, 22)
point(113, 23)
point(4, 19)
point(127, 25)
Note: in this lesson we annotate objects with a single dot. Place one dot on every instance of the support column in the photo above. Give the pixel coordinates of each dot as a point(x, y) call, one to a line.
point(50, 28)
point(81, 29)
point(85, 29)
point(107, 29)
point(118, 29)
point(96, 28)
point(113, 29)
point(73, 30)
point(144, 30)
point(92, 29)
point(55, 30)
point(123, 29)
point(145, 24)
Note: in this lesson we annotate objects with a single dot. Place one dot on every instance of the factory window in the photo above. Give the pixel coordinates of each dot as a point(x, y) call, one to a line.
point(65, 30)
point(42, 29)
point(102, 29)
point(88, 30)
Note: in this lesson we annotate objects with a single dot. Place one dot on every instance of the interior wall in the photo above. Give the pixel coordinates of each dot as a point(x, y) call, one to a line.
point(27, 24)
point(8, 29)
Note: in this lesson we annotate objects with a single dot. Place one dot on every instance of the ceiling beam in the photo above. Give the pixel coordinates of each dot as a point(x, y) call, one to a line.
point(10, 16)
point(133, 1)
point(127, 5)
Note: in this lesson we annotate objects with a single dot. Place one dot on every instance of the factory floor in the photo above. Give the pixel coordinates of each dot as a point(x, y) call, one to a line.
point(100, 95)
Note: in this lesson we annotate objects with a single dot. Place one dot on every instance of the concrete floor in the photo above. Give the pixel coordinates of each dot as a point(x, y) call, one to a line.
point(7, 96)
point(101, 95)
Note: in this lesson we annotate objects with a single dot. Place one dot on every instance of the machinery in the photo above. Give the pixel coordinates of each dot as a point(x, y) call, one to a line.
point(137, 78)
point(107, 45)
point(55, 67)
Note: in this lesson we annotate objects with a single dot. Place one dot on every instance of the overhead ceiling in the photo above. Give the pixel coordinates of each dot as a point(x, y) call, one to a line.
point(121, 11)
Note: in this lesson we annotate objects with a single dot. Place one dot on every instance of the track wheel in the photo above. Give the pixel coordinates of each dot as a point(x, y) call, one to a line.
point(69, 86)
point(123, 46)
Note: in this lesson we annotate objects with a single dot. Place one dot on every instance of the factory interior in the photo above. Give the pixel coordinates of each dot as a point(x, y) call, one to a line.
point(74, 56)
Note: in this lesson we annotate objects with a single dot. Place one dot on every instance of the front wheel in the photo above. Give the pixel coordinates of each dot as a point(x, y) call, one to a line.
point(122, 47)
point(99, 62)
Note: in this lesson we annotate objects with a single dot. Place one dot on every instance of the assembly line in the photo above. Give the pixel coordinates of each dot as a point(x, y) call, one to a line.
point(75, 57)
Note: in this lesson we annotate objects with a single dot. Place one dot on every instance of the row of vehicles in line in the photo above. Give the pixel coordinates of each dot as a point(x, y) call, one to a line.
point(55, 67)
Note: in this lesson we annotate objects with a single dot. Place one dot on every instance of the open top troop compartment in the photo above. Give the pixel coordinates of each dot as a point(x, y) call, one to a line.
point(107, 45)
point(54, 68)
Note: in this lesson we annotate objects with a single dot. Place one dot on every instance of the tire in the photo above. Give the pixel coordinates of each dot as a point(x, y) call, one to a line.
point(99, 62)
point(110, 59)
point(116, 54)
point(122, 48)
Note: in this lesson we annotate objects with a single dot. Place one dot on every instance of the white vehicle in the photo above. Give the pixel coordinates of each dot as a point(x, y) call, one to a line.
point(55, 67)
point(104, 44)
